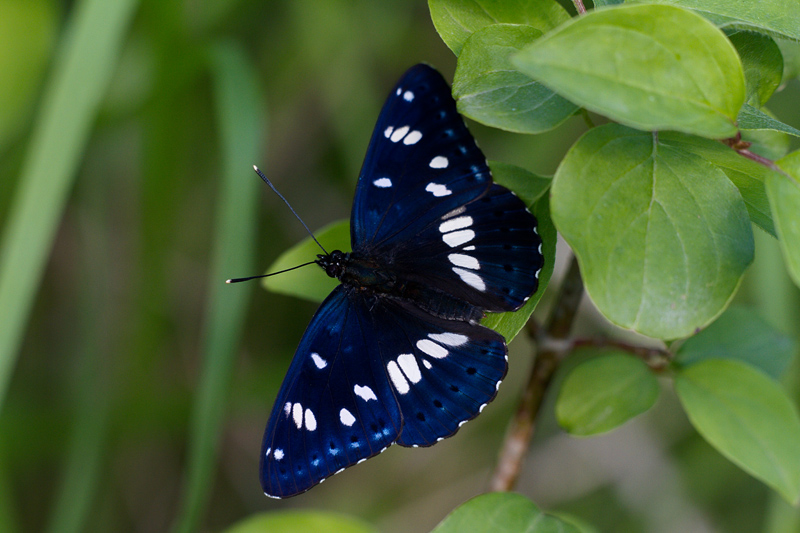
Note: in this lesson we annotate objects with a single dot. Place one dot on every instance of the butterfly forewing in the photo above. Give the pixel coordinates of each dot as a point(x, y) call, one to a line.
point(421, 157)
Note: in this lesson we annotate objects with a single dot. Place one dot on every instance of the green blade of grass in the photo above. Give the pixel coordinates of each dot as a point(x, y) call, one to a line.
point(82, 69)
point(240, 117)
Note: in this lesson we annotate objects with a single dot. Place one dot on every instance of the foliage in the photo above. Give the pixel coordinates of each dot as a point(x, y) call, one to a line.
point(133, 391)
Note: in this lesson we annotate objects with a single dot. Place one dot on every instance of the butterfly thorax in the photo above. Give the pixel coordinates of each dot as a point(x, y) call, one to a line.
point(364, 275)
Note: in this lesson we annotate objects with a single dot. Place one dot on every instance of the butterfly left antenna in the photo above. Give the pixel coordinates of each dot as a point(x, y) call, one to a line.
point(271, 186)
point(239, 280)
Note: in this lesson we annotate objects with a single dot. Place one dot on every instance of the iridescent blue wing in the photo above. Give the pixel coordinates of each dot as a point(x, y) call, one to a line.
point(370, 371)
point(443, 372)
point(335, 406)
point(420, 154)
point(426, 206)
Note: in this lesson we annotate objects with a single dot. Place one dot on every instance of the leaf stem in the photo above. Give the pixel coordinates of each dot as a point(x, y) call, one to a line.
point(579, 6)
point(551, 351)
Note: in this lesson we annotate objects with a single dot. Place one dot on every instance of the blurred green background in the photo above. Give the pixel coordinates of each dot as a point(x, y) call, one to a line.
point(135, 385)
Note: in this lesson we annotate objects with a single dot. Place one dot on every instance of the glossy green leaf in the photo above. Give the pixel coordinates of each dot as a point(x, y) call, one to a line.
point(762, 63)
point(294, 521)
point(502, 512)
point(524, 183)
point(662, 236)
point(310, 282)
point(509, 324)
point(648, 66)
point(604, 392)
point(768, 16)
point(490, 90)
point(747, 417)
point(746, 174)
point(784, 198)
point(456, 20)
point(742, 335)
point(751, 118)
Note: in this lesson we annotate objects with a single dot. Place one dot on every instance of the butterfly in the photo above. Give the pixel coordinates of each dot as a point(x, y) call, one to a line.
point(396, 353)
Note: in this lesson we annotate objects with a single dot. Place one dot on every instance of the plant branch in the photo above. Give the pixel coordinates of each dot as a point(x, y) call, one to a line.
point(657, 359)
point(552, 348)
point(579, 6)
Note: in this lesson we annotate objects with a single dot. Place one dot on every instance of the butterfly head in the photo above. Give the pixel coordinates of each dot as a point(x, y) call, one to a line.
point(333, 263)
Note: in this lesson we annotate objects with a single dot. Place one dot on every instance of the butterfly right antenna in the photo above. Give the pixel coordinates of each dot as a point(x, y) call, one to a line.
point(271, 186)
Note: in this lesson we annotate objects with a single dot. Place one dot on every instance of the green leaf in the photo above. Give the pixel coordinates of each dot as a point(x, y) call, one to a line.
point(311, 282)
point(456, 20)
point(740, 334)
point(490, 90)
point(501, 512)
point(648, 66)
point(762, 62)
point(751, 118)
point(605, 392)
point(748, 176)
point(747, 417)
point(527, 185)
point(662, 236)
point(509, 324)
point(780, 17)
point(293, 521)
point(784, 198)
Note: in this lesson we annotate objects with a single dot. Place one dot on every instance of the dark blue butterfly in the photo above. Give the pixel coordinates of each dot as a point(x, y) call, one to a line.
point(396, 352)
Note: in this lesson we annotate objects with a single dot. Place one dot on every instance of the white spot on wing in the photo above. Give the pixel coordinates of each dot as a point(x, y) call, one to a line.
point(412, 138)
point(408, 363)
point(398, 134)
point(470, 278)
point(457, 238)
point(311, 420)
point(287, 408)
point(450, 339)
point(456, 223)
point(466, 261)
point(382, 183)
point(454, 212)
point(431, 348)
point(426, 363)
point(278, 455)
point(346, 417)
point(364, 392)
point(468, 248)
point(388, 131)
point(408, 96)
point(397, 378)
point(297, 415)
point(439, 161)
point(319, 361)
point(438, 190)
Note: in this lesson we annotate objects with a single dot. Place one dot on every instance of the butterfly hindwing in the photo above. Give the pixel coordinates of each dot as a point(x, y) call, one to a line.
point(421, 155)
point(487, 252)
point(443, 372)
point(335, 406)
